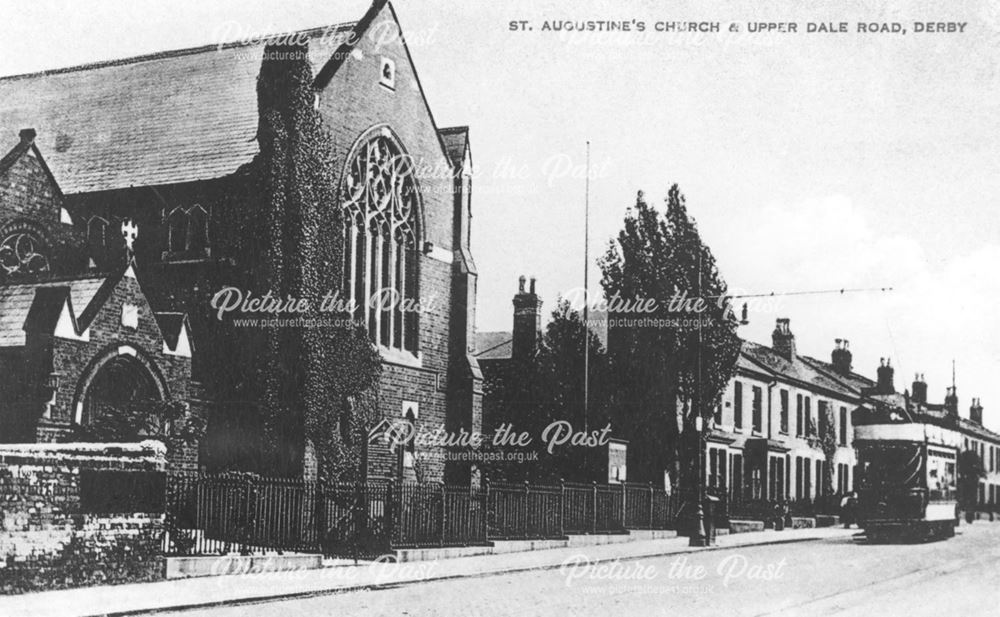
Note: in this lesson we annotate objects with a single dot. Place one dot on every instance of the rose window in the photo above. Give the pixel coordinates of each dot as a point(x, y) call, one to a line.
point(22, 253)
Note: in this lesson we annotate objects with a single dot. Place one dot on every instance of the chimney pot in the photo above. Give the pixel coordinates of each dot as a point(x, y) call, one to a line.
point(884, 384)
point(782, 339)
point(520, 284)
point(841, 357)
point(527, 333)
point(919, 389)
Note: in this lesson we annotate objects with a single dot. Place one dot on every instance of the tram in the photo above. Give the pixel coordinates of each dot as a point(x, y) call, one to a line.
point(907, 478)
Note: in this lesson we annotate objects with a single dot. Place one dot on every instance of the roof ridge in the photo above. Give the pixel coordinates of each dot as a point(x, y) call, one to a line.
point(184, 51)
point(498, 345)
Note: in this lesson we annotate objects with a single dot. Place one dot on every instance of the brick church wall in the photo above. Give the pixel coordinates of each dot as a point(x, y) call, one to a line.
point(353, 103)
point(27, 191)
point(74, 360)
point(29, 199)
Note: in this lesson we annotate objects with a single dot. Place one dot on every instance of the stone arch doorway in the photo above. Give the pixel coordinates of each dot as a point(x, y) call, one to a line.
point(118, 379)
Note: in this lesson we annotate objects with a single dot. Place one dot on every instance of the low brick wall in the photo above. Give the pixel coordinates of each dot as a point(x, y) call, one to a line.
point(745, 526)
point(80, 514)
point(827, 520)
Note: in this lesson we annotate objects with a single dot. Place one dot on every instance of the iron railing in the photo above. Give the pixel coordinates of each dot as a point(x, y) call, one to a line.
point(214, 514)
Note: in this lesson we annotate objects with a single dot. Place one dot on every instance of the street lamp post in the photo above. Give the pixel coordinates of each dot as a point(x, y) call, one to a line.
point(698, 537)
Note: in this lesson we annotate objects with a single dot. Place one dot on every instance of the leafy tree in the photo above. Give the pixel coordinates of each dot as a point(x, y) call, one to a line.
point(825, 439)
point(663, 370)
point(167, 421)
point(531, 393)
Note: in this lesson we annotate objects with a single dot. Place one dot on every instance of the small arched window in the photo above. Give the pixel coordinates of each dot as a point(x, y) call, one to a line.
point(197, 239)
point(409, 450)
point(97, 228)
point(381, 204)
point(177, 230)
point(187, 232)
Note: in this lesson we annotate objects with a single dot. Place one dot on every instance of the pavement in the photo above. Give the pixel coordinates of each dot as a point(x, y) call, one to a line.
point(830, 577)
point(227, 591)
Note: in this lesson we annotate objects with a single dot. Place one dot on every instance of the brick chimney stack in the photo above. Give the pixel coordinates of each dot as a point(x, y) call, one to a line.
point(841, 357)
point(976, 411)
point(527, 332)
point(782, 339)
point(951, 401)
point(919, 389)
point(27, 136)
point(884, 384)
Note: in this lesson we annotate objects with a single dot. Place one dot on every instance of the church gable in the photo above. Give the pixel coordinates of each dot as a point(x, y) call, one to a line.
point(374, 83)
point(36, 231)
point(27, 188)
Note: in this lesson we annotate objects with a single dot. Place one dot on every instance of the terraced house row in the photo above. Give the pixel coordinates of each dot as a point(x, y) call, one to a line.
point(783, 430)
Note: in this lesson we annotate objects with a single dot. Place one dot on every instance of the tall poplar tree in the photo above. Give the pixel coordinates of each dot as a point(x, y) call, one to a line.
point(666, 375)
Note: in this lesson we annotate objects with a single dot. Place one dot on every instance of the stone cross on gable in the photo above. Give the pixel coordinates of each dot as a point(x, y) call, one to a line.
point(130, 231)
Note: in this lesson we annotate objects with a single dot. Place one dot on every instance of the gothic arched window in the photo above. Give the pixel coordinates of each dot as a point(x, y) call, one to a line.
point(177, 230)
point(97, 228)
point(22, 252)
point(187, 232)
point(381, 204)
point(197, 237)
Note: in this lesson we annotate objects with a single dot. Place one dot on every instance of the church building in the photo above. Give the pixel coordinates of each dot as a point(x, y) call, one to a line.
point(161, 143)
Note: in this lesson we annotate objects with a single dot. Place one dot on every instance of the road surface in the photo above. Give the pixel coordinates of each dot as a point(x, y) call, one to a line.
point(844, 577)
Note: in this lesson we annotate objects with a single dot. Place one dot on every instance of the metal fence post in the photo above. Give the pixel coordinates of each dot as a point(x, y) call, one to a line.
point(319, 513)
point(562, 507)
point(650, 484)
point(443, 497)
point(624, 510)
point(527, 511)
point(593, 518)
point(486, 509)
point(390, 511)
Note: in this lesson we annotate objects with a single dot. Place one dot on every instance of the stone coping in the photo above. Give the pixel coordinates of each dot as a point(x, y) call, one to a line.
point(150, 452)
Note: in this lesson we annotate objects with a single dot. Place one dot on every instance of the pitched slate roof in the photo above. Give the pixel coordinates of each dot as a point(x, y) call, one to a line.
point(493, 345)
point(852, 380)
point(169, 117)
point(744, 363)
point(970, 427)
point(18, 303)
point(795, 369)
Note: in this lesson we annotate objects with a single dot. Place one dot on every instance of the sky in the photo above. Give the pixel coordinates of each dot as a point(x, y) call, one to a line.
point(810, 161)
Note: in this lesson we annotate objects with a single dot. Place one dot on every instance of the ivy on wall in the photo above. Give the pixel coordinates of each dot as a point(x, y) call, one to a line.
point(290, 242)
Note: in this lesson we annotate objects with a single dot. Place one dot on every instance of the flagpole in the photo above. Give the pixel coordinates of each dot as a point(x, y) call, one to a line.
point(586, 294)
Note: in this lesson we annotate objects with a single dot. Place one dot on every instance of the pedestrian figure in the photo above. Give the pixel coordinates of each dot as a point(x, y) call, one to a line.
point(780, 510)
point(848, 509)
